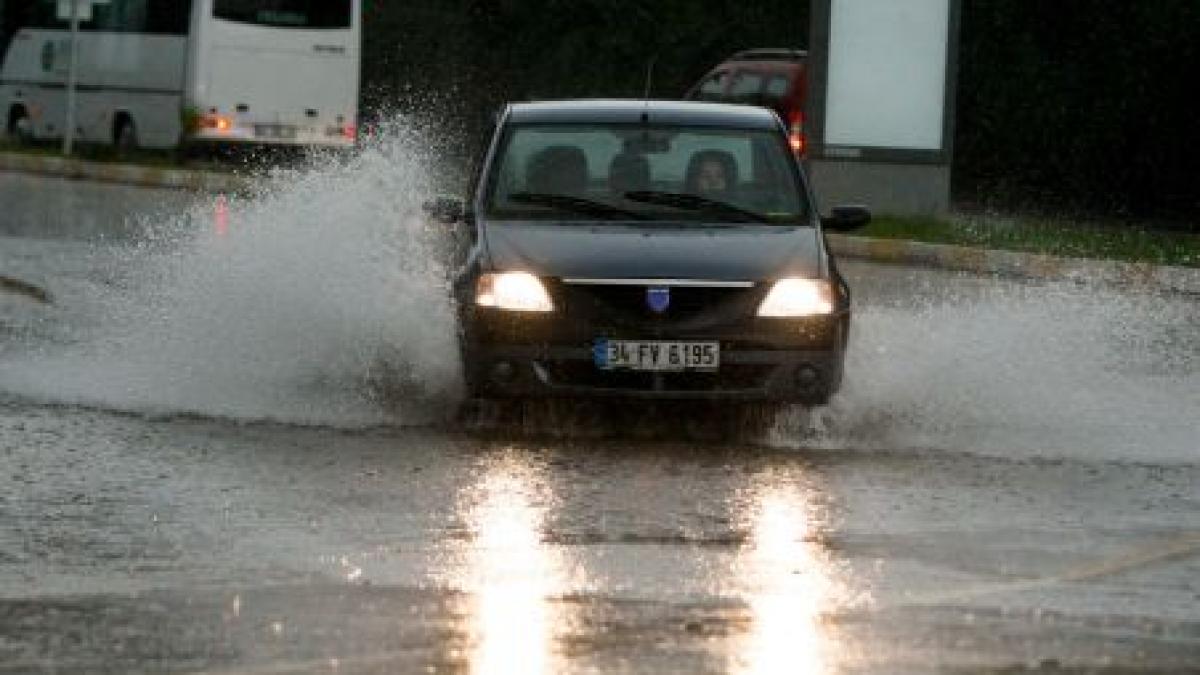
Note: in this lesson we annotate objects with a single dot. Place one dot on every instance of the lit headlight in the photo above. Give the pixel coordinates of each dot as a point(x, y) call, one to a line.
point(797, 297)
point(516, 291)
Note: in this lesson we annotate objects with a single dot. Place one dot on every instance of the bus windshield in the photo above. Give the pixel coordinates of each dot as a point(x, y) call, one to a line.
point(286, 13)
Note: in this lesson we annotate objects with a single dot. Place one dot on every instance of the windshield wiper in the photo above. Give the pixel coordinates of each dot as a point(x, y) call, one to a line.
point(575, 205)
point(690, 202)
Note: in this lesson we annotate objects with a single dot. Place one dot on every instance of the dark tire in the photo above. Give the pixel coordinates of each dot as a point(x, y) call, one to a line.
point(20, 127)
point(815, 399)
point(125, 139)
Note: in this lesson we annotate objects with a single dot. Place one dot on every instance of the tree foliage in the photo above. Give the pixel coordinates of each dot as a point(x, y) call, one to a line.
point(1080, 105)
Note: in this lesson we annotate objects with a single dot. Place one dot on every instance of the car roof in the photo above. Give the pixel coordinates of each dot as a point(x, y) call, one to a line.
point(770, 54)
point(631, 111)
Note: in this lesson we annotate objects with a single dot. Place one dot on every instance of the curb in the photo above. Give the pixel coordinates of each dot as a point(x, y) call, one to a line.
point(129, 174)
point(1147, 276)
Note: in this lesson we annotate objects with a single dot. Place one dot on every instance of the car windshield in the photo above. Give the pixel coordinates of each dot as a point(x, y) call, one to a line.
point(645, 172)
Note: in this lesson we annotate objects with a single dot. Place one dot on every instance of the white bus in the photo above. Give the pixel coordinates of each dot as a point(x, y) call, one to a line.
point(158, 73)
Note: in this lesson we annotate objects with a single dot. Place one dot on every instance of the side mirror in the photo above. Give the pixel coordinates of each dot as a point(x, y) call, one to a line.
point(446, 209)
point(846, 218)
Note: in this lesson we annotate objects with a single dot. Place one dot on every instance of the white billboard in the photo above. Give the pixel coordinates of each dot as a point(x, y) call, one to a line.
point(886, 81)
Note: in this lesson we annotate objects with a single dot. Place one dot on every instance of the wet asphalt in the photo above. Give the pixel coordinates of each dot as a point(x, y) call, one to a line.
point(184, 542)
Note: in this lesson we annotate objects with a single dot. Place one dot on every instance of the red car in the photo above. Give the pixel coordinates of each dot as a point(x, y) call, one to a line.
point(772, 78)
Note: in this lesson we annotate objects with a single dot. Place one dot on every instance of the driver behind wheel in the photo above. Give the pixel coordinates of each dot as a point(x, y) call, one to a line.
point(711, 174)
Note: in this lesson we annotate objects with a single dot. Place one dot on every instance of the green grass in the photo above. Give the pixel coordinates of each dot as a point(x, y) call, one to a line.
point(97, 153)
point(1053, 237)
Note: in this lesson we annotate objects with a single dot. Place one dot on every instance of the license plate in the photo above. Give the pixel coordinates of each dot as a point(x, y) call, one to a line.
point(281, 131)
point(656, 355)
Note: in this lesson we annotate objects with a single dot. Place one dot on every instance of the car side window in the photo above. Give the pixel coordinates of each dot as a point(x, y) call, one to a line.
point(777, 86)
point(714, 86)
point(746, 85)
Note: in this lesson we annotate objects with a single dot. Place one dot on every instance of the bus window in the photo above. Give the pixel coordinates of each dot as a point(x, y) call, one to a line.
point(165, 17)
point(120, 16)
point(43, 15)
point(169, 17)
point(9, 20)
point(286, 13)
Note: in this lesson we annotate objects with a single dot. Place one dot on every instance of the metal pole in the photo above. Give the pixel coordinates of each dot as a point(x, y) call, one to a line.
point(72, 74)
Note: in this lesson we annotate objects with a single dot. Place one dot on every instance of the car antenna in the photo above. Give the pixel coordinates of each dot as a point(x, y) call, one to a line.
point(646, 91)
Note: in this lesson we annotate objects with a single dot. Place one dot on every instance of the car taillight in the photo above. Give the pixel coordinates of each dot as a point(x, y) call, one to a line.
point(796, 131)
point(796, 140)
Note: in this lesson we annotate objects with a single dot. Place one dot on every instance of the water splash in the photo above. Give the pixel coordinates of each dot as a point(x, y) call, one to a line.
point(1018, 370)
point(322, 292)
point(307, 301)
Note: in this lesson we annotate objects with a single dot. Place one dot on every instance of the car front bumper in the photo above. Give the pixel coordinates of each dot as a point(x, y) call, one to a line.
point(522, 371)
point(551, 354)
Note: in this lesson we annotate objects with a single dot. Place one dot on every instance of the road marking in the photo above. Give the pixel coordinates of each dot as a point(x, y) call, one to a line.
point(13, 285)
point(331, 665)
point(1178, 547)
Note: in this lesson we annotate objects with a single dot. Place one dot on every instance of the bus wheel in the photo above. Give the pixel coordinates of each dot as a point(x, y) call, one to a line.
point(125, 137)
point(20, 127)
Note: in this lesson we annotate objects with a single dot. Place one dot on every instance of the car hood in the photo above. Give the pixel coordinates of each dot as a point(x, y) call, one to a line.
point(653, 250)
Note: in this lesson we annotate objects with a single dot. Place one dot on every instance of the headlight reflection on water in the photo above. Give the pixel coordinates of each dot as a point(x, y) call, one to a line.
point(512, 575)
point(788, 584)
point(515, 621)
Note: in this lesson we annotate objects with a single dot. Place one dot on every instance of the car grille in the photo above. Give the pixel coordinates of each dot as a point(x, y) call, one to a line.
point(622, 307)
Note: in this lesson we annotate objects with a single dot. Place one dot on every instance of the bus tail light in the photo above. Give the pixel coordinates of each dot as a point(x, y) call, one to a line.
point(348, 131)
point(219, 122)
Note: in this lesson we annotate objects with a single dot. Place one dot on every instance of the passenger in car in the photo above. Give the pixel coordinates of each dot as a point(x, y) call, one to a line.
point(712, 174)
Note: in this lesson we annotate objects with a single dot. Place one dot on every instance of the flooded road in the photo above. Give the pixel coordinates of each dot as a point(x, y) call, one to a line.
point(207, 468)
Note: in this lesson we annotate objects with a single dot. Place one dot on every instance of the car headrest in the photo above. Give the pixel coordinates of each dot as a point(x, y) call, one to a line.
point(558, 169)
point(628, 172)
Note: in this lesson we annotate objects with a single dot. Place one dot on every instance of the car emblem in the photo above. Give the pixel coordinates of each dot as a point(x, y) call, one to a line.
point(658, 299)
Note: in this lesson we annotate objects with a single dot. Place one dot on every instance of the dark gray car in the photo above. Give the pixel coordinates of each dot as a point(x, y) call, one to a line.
point(649, 249)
